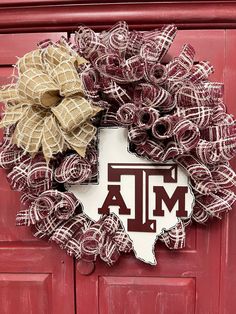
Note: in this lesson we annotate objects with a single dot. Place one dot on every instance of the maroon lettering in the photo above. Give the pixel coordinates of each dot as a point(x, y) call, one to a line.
point(141, 173)
point(178, 196)
point(114, 198)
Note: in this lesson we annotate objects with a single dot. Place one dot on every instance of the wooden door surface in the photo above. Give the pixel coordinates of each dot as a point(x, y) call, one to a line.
point(38, 278)
point(35, 277)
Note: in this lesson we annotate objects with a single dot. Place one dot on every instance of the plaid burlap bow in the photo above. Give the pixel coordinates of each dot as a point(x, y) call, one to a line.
point(47, 103)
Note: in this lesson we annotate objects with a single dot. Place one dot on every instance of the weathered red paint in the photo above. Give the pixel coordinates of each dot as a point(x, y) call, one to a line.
point(141, 15)
point(13, 46)
point(39, 278)
point(35, 276)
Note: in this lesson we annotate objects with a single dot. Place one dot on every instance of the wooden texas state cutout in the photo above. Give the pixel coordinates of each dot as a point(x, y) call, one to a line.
point(147, 197)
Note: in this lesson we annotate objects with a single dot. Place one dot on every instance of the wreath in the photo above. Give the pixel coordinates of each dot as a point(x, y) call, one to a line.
point(62, 92)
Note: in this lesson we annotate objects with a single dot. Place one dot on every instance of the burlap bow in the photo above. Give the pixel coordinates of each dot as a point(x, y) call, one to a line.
point(47, 103)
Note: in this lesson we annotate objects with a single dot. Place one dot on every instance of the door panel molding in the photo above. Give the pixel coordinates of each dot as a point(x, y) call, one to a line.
point(66, 17)
point(66, 2)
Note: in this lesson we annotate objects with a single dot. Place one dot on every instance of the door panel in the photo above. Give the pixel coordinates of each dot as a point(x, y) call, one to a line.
point(184, 281)
point(130, 295)
point(35, 276)
point(41, 274)
point(29, 291)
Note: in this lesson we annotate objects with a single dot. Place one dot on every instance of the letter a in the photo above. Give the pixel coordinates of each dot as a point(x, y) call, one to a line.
point(114, 198)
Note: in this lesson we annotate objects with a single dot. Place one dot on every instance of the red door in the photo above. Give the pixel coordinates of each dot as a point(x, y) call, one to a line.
point(38, 278)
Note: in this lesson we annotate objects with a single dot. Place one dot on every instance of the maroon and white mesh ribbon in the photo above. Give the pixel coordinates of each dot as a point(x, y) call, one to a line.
point(196, 170)
point(73, 170)
point(126, 114)
point(201, 116)
point(109, 252)
point(171, 150)
point(116, 38)
point(199, 214)
point(175, 237)
point(73, 246)
point(155, 73)
point(123, 241)
point(164, 127)
point(216, 204)
point(180, 66)
point(191, 96)
point(187, 134)
point(223, 175)
point(145, 117)
point(90, 80)
point(218, 132)
point(50, 204)
point(46, 227)
point(11, 156)
point(78, 223)
point(158, 43)
point(152, 96)
point(39, 178)
point(17, 177)
point(88, 42)
point(205, 186)
point(111, 224)
point(91, 242)
point(114, 92)
point(151, 150)
point(200, 71)
point(121, 72)
point(138, 136)
point(33, 175)
point(87, 240)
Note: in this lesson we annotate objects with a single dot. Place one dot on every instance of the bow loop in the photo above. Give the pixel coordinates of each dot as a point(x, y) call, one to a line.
point(38, 88)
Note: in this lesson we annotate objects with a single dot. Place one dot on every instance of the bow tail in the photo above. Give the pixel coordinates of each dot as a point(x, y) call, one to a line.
point(29, 130)
point(79, 138)
point(13, 114)
point(52, 139)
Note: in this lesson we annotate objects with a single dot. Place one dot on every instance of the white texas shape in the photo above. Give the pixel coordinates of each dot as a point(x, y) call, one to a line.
point(113, 149)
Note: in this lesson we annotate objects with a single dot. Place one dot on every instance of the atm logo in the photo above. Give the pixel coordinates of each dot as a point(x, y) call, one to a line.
point(147, 184)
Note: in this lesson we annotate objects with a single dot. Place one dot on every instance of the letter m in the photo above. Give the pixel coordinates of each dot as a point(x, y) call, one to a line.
point(178, 196)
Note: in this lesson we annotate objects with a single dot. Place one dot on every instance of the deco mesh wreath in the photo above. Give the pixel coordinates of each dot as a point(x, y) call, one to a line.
point(63, 92)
